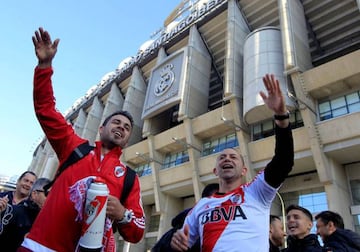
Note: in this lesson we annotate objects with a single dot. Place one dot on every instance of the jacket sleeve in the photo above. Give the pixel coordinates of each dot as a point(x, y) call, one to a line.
point(59, 133)
point(134, 230)
point(281, 164)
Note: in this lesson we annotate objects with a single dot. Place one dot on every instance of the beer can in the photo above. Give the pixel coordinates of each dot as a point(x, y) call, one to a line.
point(94, 217)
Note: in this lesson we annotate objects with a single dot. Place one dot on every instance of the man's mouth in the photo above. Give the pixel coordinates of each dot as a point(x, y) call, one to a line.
point(292, 228)
point(227, 166)
point(118, 134)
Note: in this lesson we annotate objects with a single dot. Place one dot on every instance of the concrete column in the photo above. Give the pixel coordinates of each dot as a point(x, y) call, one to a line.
point(338, 193)
point(134, 103)
point(294, 36)
point(196, 77)
point(148, 126)
point(113, 103)
point(237, 30)
point(194, 156)
point(40, 169)
point(307, 110)
point(80, 122)
point(51, 166)
point(170, 208)
point(155, 167)
point(92, 123)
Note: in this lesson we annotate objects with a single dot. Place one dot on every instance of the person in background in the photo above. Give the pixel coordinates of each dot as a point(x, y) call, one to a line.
point(59, 223)
point(237, 217)
point(299, 222)
point(18, 219)
point(330, 227)
point(276, 233)
point(163, 245)
point(23, 186)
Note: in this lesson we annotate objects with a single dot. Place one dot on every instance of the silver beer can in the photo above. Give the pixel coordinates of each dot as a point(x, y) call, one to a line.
point(94, 217)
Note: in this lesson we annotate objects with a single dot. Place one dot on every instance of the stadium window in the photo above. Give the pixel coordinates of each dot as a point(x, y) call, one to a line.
point(339, 106)
point(219, 144)
point(175, 159)
point(143, 169)
point(267, 128)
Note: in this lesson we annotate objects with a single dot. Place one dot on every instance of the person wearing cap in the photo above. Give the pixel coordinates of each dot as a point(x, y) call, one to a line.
point(299, 222)
point(16, 220)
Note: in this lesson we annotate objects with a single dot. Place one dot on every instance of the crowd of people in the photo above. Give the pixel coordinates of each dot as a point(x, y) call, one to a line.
point(230, 216)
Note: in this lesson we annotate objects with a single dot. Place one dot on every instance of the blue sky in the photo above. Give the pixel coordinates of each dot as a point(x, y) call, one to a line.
point(94, 37)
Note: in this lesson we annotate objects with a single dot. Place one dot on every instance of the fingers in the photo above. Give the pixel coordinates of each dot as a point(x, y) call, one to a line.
point(42, 36)
point(179, 241)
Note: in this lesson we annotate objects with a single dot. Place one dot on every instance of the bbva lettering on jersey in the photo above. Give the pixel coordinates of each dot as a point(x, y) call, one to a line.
point(227, 214)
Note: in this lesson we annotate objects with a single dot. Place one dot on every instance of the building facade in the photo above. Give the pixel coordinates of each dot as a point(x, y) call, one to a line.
point(193, 91)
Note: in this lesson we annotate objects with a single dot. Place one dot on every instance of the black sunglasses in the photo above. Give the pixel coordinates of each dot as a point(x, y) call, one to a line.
point(46, 192)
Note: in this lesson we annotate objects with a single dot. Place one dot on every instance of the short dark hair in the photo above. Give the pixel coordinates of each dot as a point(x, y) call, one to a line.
point(120, 112)
point(327, 216)
point(26, 172)
point(273, 218)
point(302, 209)
point(209, 190)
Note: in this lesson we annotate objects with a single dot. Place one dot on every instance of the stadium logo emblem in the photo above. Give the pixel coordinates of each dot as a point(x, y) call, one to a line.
point(166, 80)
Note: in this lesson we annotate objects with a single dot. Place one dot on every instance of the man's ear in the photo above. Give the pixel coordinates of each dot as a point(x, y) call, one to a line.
point(331, 225)
point(244, 170)
point(215, 171)
point(101, 128)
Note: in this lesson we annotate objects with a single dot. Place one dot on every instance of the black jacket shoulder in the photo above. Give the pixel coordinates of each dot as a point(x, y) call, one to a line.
point(309, 244)
point(343, 240)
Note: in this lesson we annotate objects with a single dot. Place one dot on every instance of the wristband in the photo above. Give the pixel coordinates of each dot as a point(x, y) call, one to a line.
point(282, 117)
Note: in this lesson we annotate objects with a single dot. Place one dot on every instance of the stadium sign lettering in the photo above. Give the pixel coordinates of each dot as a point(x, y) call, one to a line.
point(180, 27)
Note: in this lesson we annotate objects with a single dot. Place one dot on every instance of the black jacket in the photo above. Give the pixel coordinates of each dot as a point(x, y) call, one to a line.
point(273, 248)
point(343, 240)
point(309, 244)
point(163, 245)
point(16, 222)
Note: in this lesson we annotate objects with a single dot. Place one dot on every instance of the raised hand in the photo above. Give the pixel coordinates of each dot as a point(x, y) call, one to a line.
point(274, 98)
point(45, 49)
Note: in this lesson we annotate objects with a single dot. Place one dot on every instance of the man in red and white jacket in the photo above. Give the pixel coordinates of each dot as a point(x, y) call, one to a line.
point(58, 225)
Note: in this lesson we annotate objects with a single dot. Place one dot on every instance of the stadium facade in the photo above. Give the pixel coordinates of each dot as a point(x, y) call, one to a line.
point(193, 91)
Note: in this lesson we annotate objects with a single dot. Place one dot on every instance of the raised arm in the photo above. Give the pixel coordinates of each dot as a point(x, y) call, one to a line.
point(283, 160)
point(57, 130)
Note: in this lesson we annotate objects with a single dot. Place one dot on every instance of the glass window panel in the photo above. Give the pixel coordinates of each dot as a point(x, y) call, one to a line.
point(268, 125)
point(338, 102)
point(206, 145)
point(154, 223)
point(325, 116)
point(355, 191)
point(355, 107)
point(324, 107)
point(340, 111)
point(222, 140)
point(257, 128)
point(352, 98)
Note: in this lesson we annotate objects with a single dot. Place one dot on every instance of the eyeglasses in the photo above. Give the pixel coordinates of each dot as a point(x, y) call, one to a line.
point(45, 192)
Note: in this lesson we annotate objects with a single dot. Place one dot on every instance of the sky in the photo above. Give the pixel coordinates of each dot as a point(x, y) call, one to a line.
point(95, 36)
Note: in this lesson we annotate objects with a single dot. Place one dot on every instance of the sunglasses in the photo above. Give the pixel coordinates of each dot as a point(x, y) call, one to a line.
point(43, 191)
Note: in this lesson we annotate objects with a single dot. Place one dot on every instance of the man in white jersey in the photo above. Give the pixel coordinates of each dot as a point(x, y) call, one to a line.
point(237, 217)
